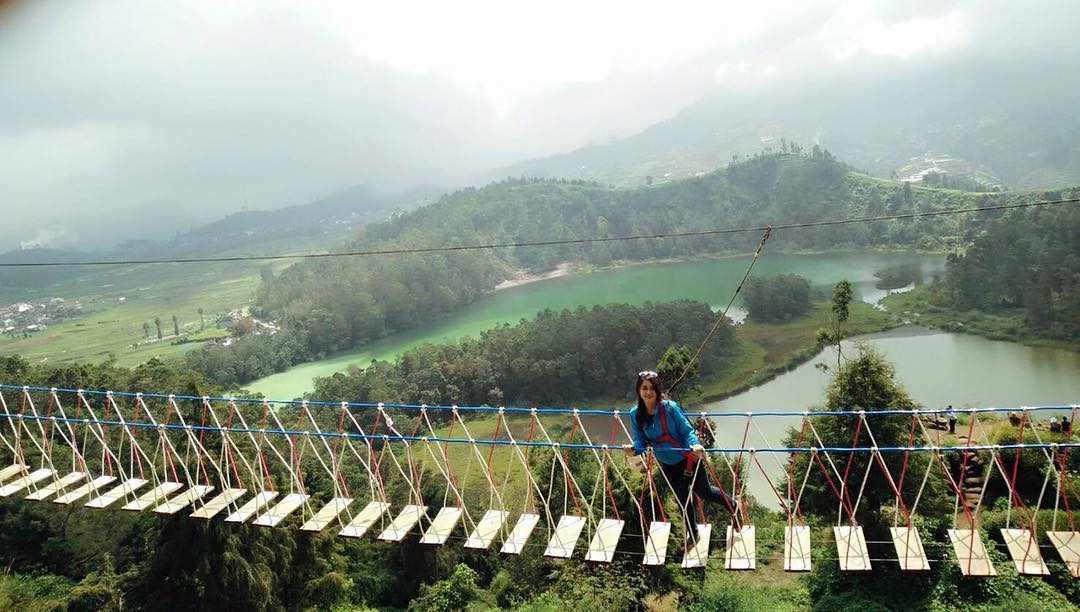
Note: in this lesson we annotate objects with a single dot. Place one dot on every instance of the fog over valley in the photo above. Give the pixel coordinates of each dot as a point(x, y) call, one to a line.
point(144, 120)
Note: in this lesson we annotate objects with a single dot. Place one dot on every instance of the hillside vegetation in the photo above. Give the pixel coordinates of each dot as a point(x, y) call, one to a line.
point(334, 304)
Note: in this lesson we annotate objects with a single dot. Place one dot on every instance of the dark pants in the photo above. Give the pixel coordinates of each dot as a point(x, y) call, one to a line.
point(952, 426)
point(682, 482)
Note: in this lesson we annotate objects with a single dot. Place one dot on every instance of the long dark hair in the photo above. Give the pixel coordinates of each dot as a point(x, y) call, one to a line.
point(642, 415)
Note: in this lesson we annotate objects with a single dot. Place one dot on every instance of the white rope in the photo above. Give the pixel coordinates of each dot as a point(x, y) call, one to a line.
point(94, 425)
point(375, 486)
point(479, 456)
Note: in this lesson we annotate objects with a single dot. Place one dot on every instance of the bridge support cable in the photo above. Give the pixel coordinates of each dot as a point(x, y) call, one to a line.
point(586, 495)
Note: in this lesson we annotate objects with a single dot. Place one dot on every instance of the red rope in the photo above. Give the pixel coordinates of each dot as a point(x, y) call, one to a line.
point(844, 503)
point(566, 472)
point(607, 461)
point(164, 444)
point(133, 446)
point(335, 457)
point(269, 482)
point(228, 444)
point(792, 493)
point(847, 468)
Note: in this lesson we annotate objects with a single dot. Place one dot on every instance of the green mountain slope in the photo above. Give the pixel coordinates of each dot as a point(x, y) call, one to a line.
point(987, 127)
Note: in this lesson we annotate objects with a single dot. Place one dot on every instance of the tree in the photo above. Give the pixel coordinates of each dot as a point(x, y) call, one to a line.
point(202, 322)
point(175, 326)
point(673, 364)
point(157, 323)
point(841, 309)
point(146, 329)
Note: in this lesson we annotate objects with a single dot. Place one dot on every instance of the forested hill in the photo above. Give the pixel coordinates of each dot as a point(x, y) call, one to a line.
point(335, 304)
point(971, 122)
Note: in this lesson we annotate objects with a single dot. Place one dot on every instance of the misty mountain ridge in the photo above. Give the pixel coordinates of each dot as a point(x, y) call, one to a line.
point(318, 225)
point(1008, 129)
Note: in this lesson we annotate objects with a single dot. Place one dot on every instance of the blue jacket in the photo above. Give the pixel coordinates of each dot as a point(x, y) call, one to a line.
point(678, 426)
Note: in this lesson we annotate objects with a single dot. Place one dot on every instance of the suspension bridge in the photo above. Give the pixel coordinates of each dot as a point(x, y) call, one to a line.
point(391, 470)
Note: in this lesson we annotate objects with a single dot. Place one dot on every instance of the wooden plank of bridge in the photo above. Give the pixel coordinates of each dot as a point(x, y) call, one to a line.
point(698, 556)
point(213, 507)
point(604, 541)
point(184, 500)
point(153, 496)
point(909, 549)
point(124, 489)
point(656, 544)
point(252, 506)
point(25, 481)
point(797, 548)
point(288, 504)
point(90, 488)
point(442, 526)
point(403, 523)
point(1025, 552)
point(970, 553)
point(326, 514)
point(59, 485)
point(851, 549)
point(740, 553)
point(487, 529)
point(363, 521)
point(1067, 544)
point(519, 534)
point(563, 541)
point(11, 470)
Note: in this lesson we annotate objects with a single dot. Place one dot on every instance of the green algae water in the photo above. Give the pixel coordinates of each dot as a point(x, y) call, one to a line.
point(707, 280)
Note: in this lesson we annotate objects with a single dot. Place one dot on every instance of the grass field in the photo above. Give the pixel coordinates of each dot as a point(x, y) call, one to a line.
point(114, 327)
point(767, 349)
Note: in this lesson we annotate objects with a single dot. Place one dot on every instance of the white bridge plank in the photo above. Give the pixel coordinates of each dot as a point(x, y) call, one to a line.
point(740, 553)
point(326, 514)
point(288, 504)
point(1067, 544)
point(698, 556)
point(216, 505)
point(252, 507)
point(604, 541)
point(23, 482)
point(91, 488)
point(59, 485)
point(487, 529)
point(797, 548)
point(442, 526)
point(909, 549)
point(363, 521)
point(11, 470)
point(124, 489)
point(515, 543)
point(970, 553)
point(656, 544)
point(565, 538)
point(1025, 552)
point(403, 523)
point(851, 549)
point(184, 500)
point(153, 496)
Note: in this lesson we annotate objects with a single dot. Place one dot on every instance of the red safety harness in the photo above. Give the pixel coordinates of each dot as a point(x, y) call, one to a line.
point(666, 436)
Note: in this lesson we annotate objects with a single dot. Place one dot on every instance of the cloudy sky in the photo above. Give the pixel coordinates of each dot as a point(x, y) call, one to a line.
point(131, 116)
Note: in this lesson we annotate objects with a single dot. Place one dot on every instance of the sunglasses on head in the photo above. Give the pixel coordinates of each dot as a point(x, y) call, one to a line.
point(648, 374)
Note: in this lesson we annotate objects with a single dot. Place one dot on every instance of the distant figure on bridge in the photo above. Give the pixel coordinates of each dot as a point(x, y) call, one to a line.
point(1054, 425)
point(952, 420)
point(1014, 419)
point(659, 423)
point(1066, 425)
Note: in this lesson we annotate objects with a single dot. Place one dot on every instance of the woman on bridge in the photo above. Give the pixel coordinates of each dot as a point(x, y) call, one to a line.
point(659, 423)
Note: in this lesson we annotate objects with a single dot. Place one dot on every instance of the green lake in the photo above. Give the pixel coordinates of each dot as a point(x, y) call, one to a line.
point(708, 280)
